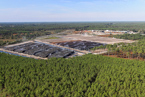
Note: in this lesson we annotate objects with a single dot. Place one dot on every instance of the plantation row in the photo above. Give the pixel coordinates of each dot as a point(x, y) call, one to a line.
point(86, 76)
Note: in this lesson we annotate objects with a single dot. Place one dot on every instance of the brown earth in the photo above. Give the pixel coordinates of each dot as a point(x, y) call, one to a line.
point(123, 56)
point(65, 41)
point(105, 35)
point(115, 56)
point(75, 37)
point(10, 40)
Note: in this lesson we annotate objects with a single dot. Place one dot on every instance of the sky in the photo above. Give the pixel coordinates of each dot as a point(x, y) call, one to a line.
point(71, 10)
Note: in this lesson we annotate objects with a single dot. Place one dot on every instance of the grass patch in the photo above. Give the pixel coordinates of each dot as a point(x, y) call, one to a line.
point(52, 38)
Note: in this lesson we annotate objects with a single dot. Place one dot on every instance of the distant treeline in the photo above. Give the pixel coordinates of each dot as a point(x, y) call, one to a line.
point(7, 28)
point(31, 27)
point(19, 31)
point(130, 36)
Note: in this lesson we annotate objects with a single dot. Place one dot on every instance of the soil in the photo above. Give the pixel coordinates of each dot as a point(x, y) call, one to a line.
point(123, 56)
point(99, 50)
point(105, 35)
point(10, 40)
point(65, 41)
point(76, 37)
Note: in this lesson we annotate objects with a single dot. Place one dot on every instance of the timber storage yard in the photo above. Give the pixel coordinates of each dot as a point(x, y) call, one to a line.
point(65, 46)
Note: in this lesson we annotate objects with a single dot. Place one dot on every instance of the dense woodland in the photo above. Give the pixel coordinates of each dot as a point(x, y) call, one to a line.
point(126, 50)
point(130, 36)
point(86, 76)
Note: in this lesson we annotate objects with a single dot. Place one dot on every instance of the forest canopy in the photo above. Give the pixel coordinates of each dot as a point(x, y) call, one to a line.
point(130, 36)
point(86, 76)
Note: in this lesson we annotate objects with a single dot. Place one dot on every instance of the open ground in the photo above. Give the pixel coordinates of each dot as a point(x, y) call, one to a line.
point(91, 38)
point(65, 45)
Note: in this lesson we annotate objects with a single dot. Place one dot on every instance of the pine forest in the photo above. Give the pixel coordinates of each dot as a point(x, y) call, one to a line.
point(86, 76)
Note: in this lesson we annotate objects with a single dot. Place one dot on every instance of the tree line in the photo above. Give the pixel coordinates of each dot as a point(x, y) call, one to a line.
point(17, 31)
point(126, 50)
point(130, 36)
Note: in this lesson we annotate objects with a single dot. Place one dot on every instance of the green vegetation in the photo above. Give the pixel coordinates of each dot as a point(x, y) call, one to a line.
point(52, 38)
point(127, 50)
point(132, 50)
point(130, 36)
point(32, 30)
point(9, 42)
point(99, 47)
point(86, 76)
point(17, 30)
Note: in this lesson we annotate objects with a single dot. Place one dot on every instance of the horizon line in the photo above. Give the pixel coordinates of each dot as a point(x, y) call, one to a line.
point(66, 21)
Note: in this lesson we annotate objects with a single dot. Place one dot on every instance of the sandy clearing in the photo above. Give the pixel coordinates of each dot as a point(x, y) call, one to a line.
point(105, 40)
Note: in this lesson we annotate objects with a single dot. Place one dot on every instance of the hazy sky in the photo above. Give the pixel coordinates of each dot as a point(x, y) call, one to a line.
point(71, 10)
